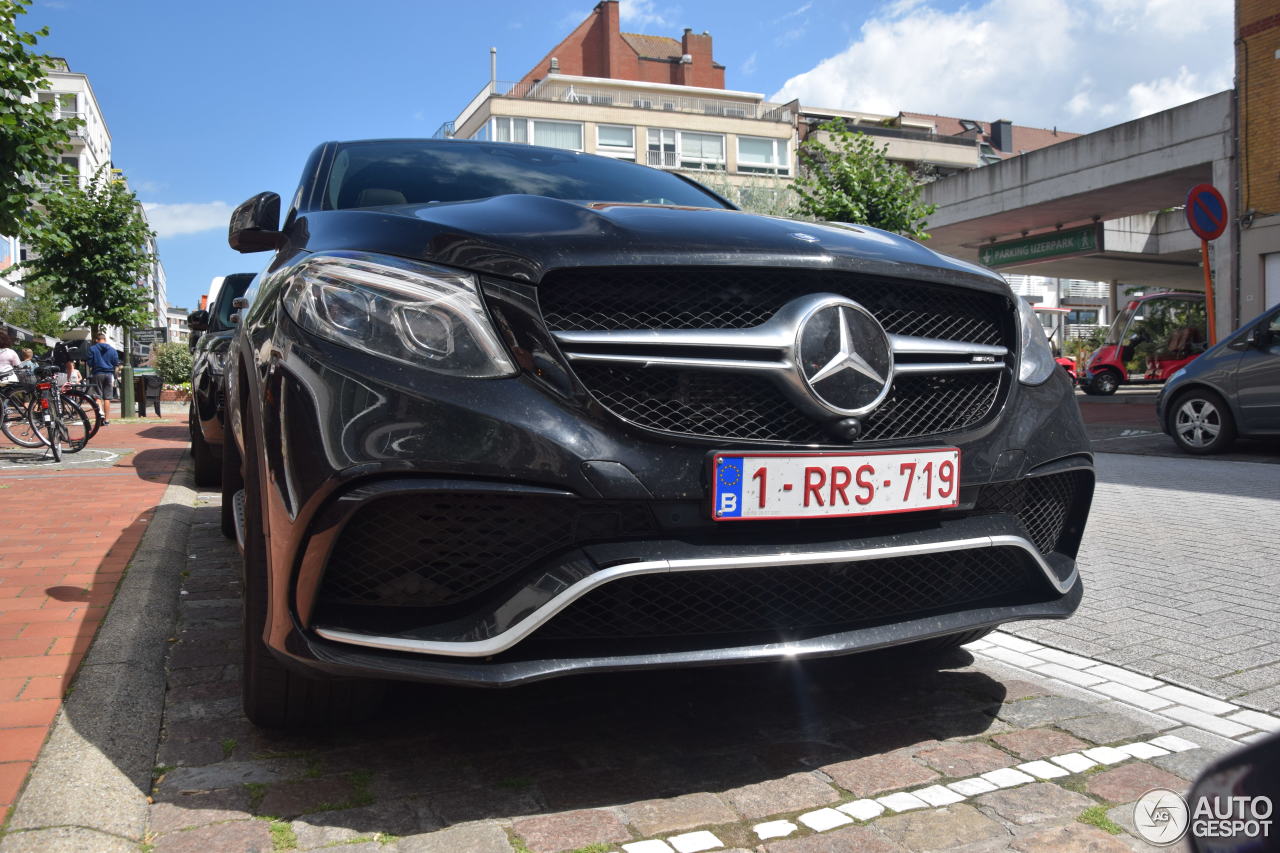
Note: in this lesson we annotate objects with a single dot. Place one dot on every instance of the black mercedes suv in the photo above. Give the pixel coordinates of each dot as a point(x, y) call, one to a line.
point(499, 413)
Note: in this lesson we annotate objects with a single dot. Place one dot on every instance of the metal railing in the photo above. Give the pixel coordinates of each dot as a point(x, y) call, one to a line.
point(900, 133)
point(1077, 331)
point(444, 131)
point(1094, 289)
point(601, 96)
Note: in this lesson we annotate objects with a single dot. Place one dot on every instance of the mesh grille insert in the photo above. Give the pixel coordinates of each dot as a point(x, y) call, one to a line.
point(436, 550)
point(740, 406)
point(604, 299)
point(794, 598)
point(1042, 504)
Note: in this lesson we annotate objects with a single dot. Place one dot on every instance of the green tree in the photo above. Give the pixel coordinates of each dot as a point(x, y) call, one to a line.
point(93, 254)
point(172, 362)
point(851, 180)
point(31, 137)
point(38, 310)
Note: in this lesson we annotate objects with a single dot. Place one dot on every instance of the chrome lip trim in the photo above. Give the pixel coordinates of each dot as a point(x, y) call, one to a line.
point(770, 367)
point(522, 629)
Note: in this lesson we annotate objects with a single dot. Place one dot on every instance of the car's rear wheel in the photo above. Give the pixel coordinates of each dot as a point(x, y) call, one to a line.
point(275, 696)
point(1200, 422)
point(208, 467)
point(1103, 383)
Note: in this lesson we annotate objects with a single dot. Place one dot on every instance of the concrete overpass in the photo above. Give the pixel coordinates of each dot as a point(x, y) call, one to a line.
point(1127, 178)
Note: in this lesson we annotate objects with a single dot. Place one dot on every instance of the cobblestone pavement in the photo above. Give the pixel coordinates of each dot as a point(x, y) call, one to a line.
point(1180, 582)
point(875, 752)
point(70, 529)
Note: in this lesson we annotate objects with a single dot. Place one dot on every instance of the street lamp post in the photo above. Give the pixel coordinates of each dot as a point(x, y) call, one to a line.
point(126, 378)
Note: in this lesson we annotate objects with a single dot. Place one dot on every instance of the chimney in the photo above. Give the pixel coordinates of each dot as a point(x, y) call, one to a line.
point(1002, 135)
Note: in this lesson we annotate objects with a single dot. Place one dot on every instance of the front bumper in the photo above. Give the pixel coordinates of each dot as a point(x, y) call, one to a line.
point(339, 438)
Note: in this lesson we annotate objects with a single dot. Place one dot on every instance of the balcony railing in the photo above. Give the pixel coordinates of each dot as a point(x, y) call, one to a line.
point(1093, 289)
point(602, 96)
point(665, 159)
point(900, 133)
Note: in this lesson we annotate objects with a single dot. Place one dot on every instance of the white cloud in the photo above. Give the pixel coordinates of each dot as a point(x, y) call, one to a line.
point(171, 220)
point(643, 13)
point(1156, 95)
point(749, 67)
point(1079, 64)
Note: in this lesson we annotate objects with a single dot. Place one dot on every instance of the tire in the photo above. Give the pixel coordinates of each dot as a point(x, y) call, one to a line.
point(275, 696)
point(77, 426)
point(1200, 422)
point(1104, 383)
point(14, 422)
point(208, 465)
point(232, 482)
point(89, 406)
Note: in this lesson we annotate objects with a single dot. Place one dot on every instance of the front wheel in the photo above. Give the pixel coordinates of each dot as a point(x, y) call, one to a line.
point(1104, 383)
point(275, 696)
point(1201, 423)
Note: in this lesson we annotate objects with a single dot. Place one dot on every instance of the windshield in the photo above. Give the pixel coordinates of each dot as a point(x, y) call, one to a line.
point(1155, 321)
point(367, 174)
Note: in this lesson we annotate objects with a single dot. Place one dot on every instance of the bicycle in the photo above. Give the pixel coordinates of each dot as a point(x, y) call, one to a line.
point(15, 403)
point(54, 418)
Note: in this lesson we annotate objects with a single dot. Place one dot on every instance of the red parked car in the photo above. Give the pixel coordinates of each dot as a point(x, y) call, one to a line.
point(1171, 324)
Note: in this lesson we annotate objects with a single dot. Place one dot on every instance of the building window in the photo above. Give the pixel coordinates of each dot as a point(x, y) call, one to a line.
point(616, 141)
point(1081, 316)
point(558, 134)
point(767, 156)
point(507, 129)
point(701, 150)
point(685, 149)
point(553, 134)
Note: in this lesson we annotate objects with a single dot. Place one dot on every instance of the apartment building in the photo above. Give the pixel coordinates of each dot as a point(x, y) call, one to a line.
point(662, 102)
point(88, 150)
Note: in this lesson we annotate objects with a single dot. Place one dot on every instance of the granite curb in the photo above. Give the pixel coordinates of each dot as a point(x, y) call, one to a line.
point(91, 779)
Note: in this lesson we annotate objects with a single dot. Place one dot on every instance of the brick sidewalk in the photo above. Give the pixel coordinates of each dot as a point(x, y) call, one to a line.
point(68, 533)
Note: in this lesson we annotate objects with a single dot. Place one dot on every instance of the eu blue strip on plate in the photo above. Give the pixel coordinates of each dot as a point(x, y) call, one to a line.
point(729, 487)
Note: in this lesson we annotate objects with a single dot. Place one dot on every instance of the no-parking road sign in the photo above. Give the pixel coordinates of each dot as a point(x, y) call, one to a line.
point(1206, 212)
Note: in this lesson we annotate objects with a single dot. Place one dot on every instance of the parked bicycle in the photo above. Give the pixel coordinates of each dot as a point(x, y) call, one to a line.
point(53, 420)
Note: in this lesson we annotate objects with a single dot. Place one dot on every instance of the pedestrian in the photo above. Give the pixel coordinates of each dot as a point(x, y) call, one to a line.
point(9, 360)
point(103, 360)
point(28, 360)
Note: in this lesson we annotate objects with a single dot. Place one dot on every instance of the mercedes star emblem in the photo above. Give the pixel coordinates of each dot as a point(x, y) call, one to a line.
point(844, 357)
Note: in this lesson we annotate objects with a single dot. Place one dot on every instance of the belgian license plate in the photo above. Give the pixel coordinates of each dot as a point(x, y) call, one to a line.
point(825, 485)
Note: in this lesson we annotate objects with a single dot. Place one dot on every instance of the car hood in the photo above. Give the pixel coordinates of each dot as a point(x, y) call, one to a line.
point(524, 237)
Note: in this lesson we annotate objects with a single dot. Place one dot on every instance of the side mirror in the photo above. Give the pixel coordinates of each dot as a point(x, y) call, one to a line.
point(239, 304)
point(1260, 337)
point(255, 225)
point(198, 321)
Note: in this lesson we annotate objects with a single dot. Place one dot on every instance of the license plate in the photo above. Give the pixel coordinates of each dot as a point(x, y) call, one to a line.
point(831, 485)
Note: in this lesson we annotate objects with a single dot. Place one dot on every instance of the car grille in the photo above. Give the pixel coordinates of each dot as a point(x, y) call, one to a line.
point(686, 399)
point(785, 599)
point(607, 299)
point(1042, 504)
point(715, 404)
point(438, 550)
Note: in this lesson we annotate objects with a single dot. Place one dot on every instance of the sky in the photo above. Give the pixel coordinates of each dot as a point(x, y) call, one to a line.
point(211, 102)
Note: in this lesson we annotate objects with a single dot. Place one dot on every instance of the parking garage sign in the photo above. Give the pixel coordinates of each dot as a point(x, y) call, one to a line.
point(1065, 243)
point(1206, 212)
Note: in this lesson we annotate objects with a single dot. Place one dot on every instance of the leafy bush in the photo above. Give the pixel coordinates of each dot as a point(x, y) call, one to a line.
point(172, 362)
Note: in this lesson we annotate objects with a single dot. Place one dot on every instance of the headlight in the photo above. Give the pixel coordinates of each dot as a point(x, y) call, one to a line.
point(422, 315)
point(1036, 363)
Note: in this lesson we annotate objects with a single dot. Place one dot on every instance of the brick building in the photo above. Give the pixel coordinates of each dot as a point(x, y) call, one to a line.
point(1257, 120)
